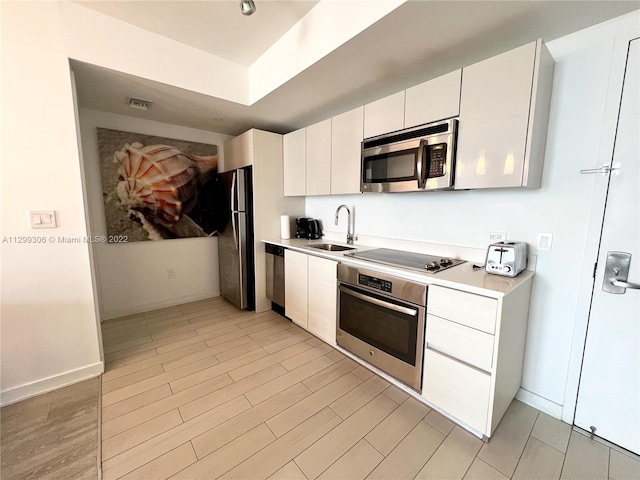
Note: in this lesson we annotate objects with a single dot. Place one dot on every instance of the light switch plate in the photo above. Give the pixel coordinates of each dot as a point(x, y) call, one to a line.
point(544, 241)
point(42, 219)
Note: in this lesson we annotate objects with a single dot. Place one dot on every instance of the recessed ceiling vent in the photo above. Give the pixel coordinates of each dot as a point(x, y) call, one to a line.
point(139, 103)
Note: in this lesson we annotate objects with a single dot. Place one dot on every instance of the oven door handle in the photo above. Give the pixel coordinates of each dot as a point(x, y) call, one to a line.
point(381, 303)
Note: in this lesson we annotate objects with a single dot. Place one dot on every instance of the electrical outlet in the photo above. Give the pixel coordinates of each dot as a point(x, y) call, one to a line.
point(495, 237)
point(171, 273)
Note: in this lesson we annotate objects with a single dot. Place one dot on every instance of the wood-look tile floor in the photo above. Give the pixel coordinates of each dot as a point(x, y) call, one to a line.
point(52, 436)
point(204, 391)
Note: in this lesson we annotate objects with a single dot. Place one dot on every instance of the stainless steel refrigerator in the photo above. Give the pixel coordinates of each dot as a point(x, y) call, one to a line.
point(235, 240)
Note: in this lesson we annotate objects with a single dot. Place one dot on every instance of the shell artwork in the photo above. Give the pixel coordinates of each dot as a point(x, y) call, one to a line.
point(161, 182)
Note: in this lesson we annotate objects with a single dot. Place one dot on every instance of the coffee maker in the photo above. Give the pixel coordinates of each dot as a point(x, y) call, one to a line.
point(308, 228)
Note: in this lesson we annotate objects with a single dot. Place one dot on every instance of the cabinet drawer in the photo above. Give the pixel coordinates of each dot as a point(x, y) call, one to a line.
point(464, 343)
point(468, 309)
point(457, 389)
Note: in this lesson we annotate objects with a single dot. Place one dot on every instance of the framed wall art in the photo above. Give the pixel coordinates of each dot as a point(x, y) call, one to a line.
point(159, 188)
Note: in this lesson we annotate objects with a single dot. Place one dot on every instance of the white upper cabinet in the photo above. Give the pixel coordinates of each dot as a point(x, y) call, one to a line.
point(384, 115)
point(295, 159)
point(318, 175)
point(503, 107)
point(504, 110)
point(346, 138)
point(434, 100)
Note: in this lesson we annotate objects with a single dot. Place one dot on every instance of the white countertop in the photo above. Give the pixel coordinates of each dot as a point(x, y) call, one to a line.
point(461, 277)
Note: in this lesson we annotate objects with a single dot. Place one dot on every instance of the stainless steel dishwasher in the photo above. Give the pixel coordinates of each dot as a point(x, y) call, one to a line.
point(275, 276)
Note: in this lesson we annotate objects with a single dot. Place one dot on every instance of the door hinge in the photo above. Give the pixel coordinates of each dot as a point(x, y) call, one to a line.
point(595, 267)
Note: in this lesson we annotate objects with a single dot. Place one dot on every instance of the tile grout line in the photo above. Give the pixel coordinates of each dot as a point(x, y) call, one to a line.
point(524, 448)
point(610, 445)
point(288, 431)
point(157, 435)
point(99, 454)
point(564, 457)
point(341, 422)
point(608, 462)
point(550, 446)
point(173, 393)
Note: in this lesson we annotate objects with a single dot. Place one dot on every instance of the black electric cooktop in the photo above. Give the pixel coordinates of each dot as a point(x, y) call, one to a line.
point(411, 260)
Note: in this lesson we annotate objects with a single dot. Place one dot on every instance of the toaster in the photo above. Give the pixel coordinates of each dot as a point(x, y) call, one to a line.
point(507, 259)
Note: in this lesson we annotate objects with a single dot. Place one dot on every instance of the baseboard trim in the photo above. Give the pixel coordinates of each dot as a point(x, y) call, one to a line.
point(540, 403)
point(123, 312)
point(45, 385)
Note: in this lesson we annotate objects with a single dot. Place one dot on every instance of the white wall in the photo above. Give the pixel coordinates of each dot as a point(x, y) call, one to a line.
point(49, 327)
point(50, 335)
point(561, 207)
point(132, 277)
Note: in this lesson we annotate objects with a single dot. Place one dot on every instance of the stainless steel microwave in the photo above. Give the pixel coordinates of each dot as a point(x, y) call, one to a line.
point(413, 160)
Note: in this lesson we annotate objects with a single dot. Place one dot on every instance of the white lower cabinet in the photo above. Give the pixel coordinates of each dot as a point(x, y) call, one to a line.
point(474, 353)
point(295, 287)
point(458, 389)
point(474, 344)
point(310, 293)
point(323, 298)
point(469, 345)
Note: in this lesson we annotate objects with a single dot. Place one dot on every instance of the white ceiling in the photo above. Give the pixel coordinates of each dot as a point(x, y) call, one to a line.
point(217, 27)
point(418, 41)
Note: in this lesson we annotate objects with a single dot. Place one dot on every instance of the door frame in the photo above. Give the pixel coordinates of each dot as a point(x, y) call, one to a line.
point(596, 217)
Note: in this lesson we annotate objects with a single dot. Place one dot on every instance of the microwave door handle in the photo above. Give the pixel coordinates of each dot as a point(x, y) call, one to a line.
point(420, 164)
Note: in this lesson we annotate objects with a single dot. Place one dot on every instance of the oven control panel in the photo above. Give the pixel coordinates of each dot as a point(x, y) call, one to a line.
point(373, 282)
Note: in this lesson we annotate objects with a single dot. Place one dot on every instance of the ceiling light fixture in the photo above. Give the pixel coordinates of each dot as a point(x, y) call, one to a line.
point(247, 7)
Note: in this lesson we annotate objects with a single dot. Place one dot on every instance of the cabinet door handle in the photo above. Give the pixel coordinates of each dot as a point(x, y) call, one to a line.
point(430, 346)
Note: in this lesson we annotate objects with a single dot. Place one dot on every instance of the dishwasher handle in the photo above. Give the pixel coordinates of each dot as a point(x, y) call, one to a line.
point(273, 249)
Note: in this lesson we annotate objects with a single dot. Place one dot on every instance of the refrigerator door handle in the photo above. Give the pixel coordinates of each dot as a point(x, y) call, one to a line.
point(234, 204)
point(236, 242)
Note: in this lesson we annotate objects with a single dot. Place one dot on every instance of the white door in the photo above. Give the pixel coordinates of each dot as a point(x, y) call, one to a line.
point(609, 391)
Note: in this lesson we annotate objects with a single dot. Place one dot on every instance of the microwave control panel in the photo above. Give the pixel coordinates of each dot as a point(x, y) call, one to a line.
point(373, 282)
point(437, 159)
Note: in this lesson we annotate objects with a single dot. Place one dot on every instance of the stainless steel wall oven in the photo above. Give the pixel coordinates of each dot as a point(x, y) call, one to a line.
point(381, 319)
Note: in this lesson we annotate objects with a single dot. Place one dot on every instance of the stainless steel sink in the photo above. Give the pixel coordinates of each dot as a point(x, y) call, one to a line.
point(332, 247)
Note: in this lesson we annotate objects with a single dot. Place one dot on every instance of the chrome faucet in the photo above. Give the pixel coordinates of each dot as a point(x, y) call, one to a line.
point(350, 236)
